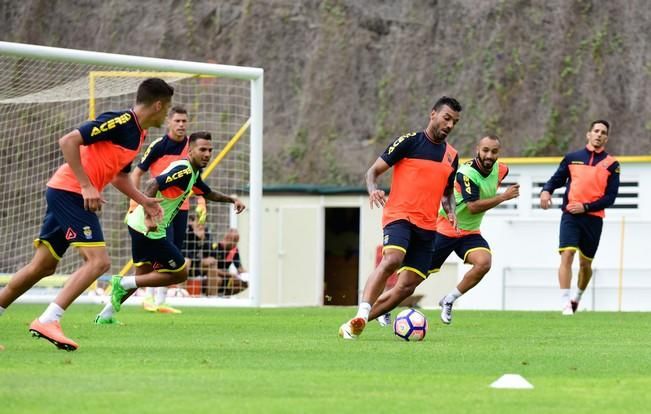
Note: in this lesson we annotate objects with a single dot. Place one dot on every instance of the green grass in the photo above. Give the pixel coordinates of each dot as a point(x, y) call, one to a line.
point(291, 361)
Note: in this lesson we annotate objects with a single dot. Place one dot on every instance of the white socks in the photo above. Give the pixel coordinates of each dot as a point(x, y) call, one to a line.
point(128, 282)
point(53, 313)
point(565, 296)
point(2, 310)
point(150, 292)
point(107, 312)
point(161, 295)
point(364, 310)
point(452, 296)
point(577, 295)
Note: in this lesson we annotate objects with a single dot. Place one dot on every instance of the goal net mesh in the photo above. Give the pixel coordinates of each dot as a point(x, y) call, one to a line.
point(40, 101)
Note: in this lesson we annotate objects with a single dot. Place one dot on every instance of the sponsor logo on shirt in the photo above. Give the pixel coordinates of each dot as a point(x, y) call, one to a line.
point(178, 174)
point(111, 123)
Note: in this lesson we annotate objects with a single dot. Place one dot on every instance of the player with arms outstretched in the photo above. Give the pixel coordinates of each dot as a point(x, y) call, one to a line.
point(158, 261)
point(99, 152)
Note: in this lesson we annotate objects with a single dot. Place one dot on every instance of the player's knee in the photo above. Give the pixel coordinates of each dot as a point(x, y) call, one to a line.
point(483, 266)
point(100, 264)
point(49, 270)
point(406, 290)
point(390, 263)
point(567, 255)
point(407, 283)
point(42, 266)
point(42, 269)
point(104, 265)
point(180, 276)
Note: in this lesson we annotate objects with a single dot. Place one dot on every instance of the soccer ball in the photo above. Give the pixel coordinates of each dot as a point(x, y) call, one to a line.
point(410, 325)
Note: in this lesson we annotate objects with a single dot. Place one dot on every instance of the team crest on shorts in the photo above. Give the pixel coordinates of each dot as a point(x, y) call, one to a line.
point(172, 264)
point(88, 233)
point(386, 239)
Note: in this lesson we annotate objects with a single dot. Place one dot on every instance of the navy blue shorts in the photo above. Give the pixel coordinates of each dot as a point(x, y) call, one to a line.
point(177, 228)
point(444, 246)
point(580, 232)
point(67, 223)
point(161, 254)
point(415, 242)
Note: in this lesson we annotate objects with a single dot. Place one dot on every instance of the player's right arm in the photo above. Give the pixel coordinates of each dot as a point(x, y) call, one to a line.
point(136, 178)
point(151, 155)
point(557, 180)
point(71, 148)
point(376, 196)
point(398, 149)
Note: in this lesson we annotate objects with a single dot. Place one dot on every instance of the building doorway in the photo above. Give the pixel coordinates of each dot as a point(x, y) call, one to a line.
point(341, 260)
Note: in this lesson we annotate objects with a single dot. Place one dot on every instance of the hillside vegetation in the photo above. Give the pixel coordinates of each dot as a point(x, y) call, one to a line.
point(344, 77)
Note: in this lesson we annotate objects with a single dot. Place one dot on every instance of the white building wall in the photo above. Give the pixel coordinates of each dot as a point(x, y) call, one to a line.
point(523, 238)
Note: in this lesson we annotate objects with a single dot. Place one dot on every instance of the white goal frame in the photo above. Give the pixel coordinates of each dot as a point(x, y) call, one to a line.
point(252, 74)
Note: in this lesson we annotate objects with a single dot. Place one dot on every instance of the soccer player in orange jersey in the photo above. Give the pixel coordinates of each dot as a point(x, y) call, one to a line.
point(97, 153)
point(423, 179)
point(591, 179)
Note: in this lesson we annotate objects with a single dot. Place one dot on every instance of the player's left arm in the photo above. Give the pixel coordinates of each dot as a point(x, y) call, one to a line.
point(612, 188)
point(201, 188)
point(470, 193)
point(223, 198)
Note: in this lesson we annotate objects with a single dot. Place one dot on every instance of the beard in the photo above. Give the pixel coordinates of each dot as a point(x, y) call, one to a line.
point(485, 163)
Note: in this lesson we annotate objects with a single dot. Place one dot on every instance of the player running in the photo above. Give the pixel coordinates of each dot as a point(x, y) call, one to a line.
point(423, 178)
point(173, 146)
point(158, 261)
point(475, 192)
point(99, 152)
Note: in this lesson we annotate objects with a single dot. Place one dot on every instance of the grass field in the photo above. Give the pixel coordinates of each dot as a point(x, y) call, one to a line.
point(291, 361)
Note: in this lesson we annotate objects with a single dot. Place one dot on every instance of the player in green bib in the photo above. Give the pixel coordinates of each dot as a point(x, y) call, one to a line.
point(475, 192)
point(157, 260)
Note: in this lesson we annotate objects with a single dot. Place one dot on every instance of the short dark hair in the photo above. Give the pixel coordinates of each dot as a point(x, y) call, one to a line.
point(153, 89)
point(446, 100)
point(200, 135)
point(493, 137)
point(600, 121)
point(178, 109)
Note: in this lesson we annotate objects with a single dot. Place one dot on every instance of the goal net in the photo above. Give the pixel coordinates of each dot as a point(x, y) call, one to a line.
point(47, 92)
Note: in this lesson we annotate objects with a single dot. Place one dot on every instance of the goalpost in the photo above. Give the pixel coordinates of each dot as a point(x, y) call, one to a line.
point(46, 92)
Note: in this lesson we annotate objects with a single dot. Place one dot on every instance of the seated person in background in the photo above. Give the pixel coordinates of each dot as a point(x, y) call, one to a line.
point(219, 262)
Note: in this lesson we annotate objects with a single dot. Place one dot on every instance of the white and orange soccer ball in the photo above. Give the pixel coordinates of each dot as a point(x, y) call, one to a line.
point(410, 325)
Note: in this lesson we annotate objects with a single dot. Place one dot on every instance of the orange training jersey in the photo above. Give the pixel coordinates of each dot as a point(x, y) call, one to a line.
point(590, 178)
point(161, 153)
point(111, 142)
point(422, 172)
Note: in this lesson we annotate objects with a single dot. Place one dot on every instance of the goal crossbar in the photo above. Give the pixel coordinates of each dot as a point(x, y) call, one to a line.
point(128, 61)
